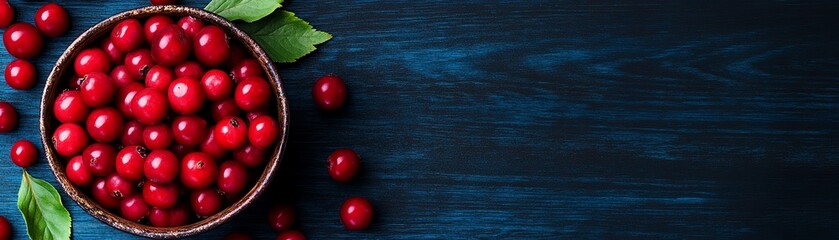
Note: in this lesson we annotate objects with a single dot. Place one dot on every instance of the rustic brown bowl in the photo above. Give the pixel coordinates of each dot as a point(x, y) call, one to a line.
point(63, 69)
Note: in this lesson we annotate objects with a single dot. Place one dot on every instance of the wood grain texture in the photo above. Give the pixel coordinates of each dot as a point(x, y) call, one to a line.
point(544, 119)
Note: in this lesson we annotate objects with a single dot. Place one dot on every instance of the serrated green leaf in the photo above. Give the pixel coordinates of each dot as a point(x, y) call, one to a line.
point(247, 10)
point(41, 207)
point(285, 37)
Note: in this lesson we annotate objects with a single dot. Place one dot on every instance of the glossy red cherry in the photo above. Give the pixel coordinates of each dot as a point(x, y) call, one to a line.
point(181, 150)
point(120, 76)
point(92, 60)
point(206, 202)
point(252, 115)
point(158, 136)
point(186, 95)
point(132, 133)
point(198, 170)
point(114, 54)
point(125, 98)
point(291, 235)
point(138, 62)
point(23, 153)
point(160, 77)
point(97, 89)
point(246, 68)
point(211, 147)
point(69, 107)
point(69, 139)
point(8, 117)
point(189, 130)
point(329, 92)
point(237, 54)
point(356, 213)
point(190, 25)
point(127, 35)
point(162, 195)
point(210, 46)
point(223, 109)
point(189, 69)
point(119, 187)
point(173, 217)
point(232, 177)
point(105, 124)
point(250, 156)
point(217, 85)
point(263, 132)
point(281, 217)
point(150, 106)
point(238, 236)
point(253, 93)
point(21, 74)
point(130, 161)
point(170, 46)
point(52, 20)
point(7, 15)
point(100, 158)
point(134, 208)
point(231, 133)
point(161, 166)
point(155, 23)
point(22, 40)
point(102, 196)
point(343, 164)
point(77, 173)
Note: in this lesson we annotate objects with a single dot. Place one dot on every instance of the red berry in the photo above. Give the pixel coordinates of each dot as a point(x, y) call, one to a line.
point(92, 60)
point(120, 76)
point(23, 153)
point(69, 139)
point(105, 124)
point(291, 235)
point(150, 106)
point(198, 170)
point(126, 97)
point(22, 40)
point(173, 217)
point(343, 164)
point(281, 217)
point(246, 68)
point(102, 196)
point(263, 131)
point(231, 133)
point(356, 213)
point(69, 107)
point(138, 62)
point(329, 92)
point(7, 15)
point(127, 35)
point(77, 172)
point(186, 95)
point(206, 201)
point(181, 150)
point(158, 136)
point(238, 236)
point(160, 77)
point(8, 117)
point(162, 195)
point(21, 74)
point(99, 158)
point(249, 155)
point(161, 166)
point(170, 46)
point(155, 23)
point(253, 93)
point(189, 69)
point(119, 187)
point(232, 177)
point(217, 85)
point(190, 25)
point(189, 130)
point(134, 208)
point(52, 19)
point(224, 108)
point(237, 54)
point(115, 55)
point(252, 115)
point(210, 46)
point(97, 89)
point(132, 133)
point(130, 161)
point(211, 147)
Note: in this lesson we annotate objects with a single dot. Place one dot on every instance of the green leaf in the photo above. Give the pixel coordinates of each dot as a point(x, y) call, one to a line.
point(284, 36)
point(248, 10)
point(40, 204)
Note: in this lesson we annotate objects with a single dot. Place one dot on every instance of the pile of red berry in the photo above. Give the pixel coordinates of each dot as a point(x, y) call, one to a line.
point(165, 120)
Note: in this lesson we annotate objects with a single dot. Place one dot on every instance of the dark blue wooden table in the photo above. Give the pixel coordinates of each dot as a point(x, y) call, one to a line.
point(543, 119)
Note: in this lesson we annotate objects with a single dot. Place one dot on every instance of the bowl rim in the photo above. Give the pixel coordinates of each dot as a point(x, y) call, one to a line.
point(91, 37)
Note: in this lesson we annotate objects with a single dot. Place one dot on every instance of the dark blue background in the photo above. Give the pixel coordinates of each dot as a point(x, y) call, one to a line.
point(543, 119)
